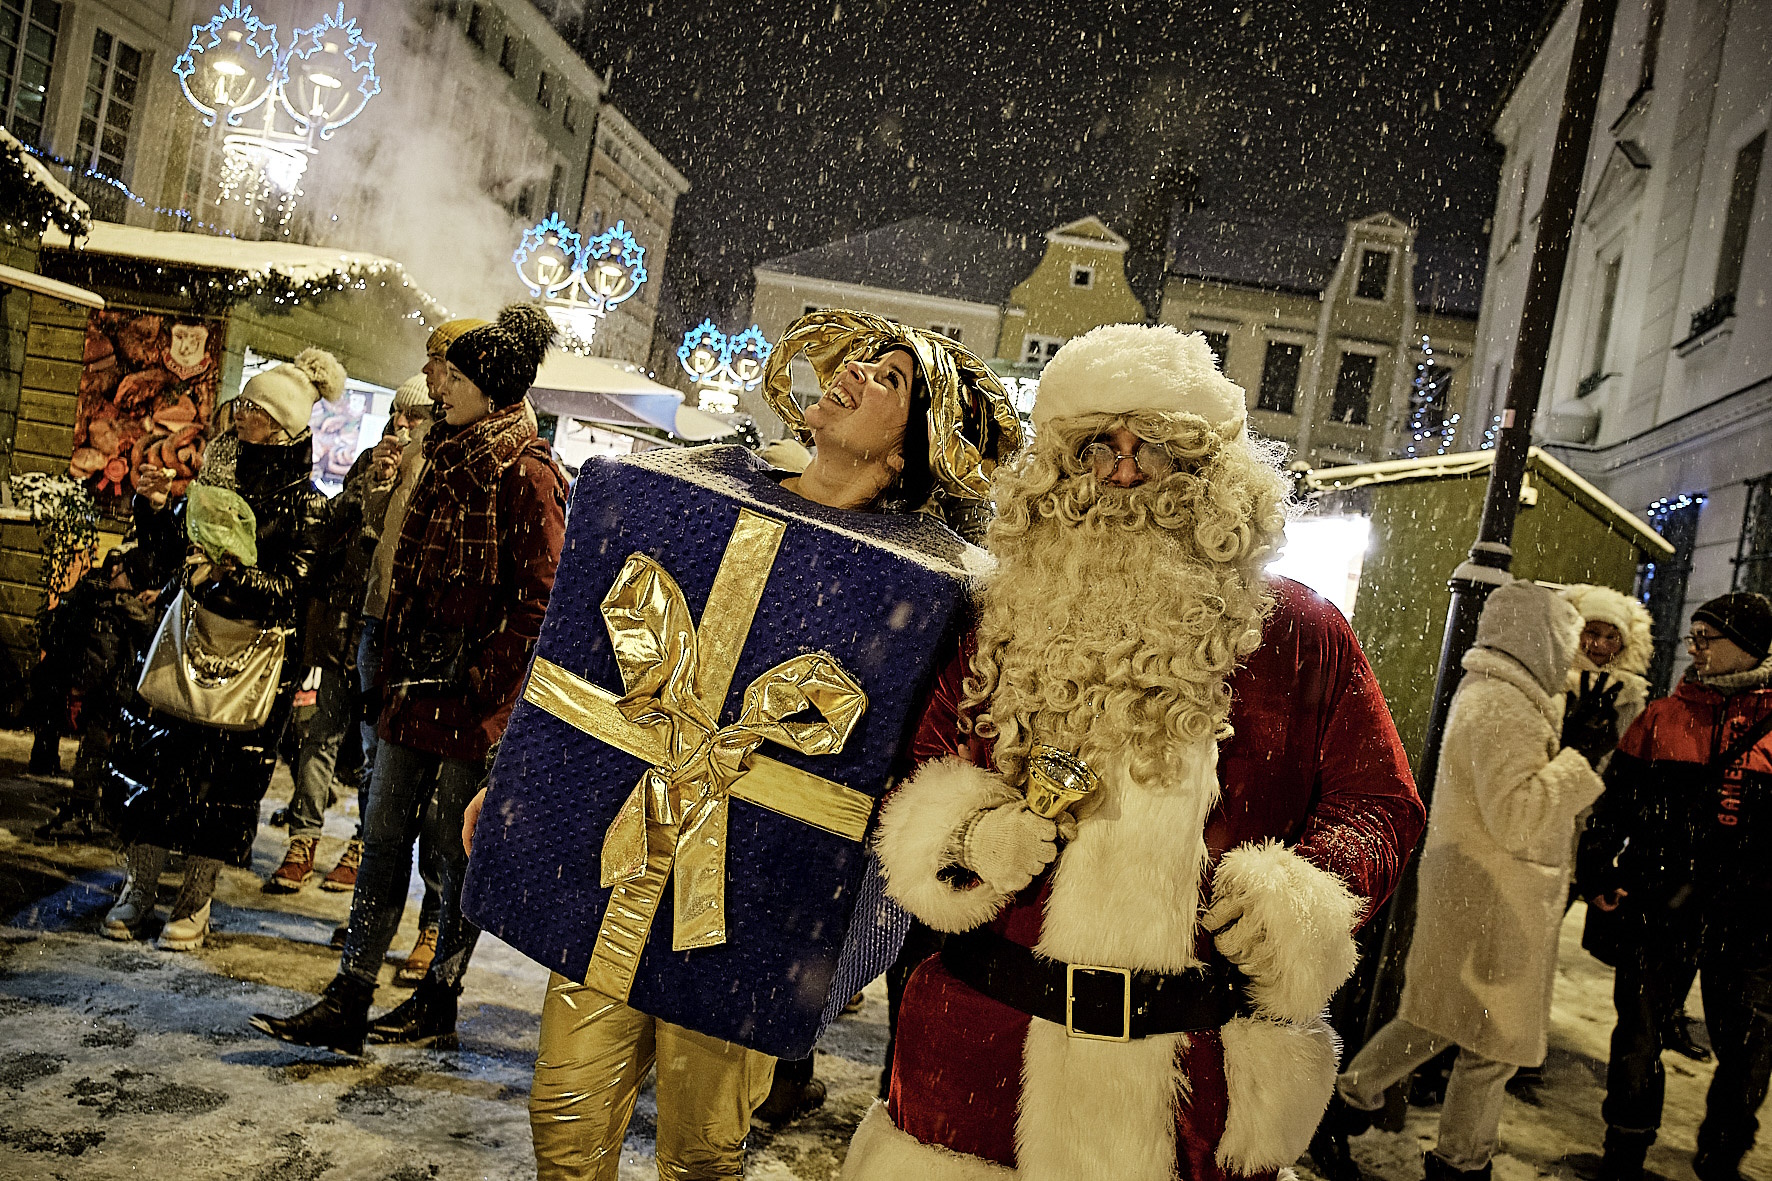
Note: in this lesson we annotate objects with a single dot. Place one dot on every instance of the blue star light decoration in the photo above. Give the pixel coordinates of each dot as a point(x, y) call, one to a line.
point(327, 113)
point(235, 24)
point(723, 366)
point(579, 282)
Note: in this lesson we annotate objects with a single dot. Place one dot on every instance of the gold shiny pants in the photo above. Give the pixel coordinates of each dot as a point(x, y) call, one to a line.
point(594, 1054)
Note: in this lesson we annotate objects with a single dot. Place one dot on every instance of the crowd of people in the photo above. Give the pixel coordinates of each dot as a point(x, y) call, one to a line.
point(1131, 987)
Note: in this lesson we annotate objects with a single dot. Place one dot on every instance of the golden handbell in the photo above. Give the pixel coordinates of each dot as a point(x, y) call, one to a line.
point(1057, 781)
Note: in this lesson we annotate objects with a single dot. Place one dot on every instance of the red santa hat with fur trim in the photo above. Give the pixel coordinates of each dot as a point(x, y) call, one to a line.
point(288, 392)
point(1127, 368)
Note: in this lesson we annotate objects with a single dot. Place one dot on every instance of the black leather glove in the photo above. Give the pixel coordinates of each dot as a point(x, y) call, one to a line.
point(1590, 716)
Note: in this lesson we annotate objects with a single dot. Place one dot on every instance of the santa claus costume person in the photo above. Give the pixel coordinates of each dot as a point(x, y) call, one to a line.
point(1135, 992)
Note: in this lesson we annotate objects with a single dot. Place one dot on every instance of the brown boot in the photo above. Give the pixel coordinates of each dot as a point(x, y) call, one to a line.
point(297, 867)
point(418, 961)
point(343, 877)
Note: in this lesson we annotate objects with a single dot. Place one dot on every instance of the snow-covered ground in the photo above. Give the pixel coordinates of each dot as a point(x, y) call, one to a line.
point(117, 1060)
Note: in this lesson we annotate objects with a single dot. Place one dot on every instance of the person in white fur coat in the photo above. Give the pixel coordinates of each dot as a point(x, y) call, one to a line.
point(1135, 993)
point(1514, 772)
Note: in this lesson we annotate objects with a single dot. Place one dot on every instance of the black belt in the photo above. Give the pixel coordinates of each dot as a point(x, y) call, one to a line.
point(1090, 1000)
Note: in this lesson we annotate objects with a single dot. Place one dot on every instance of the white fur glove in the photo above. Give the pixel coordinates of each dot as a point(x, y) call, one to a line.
point(1287, 924)
point(1007, 845)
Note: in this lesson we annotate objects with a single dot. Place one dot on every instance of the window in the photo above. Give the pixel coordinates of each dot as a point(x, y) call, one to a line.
point(1525, 195)
point(108, 106)
point(1082, 276)
point(1662, 584)
point(555, 183)
point(526, 201)
point(1279, 377)
point(1037, 350)
point(477, 31)
point(27, 47)
point(597, 219)
point(1219, 343)
point(809, 309)
point(544, 92)
point(507, 57)
point(1353, 389)
point(1651, 43)
point(1375, 274)
point(569, 115)
point(1742, 188)
point(1753, 551)
point(1602, 326)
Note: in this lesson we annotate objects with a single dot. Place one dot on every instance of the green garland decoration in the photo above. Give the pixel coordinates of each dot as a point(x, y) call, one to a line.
point(26, 203)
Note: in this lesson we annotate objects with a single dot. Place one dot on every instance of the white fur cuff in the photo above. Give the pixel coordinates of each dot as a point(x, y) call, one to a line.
point(1279, 1078)
point(881, 1151)
point(917, 830)
point(1294, 937)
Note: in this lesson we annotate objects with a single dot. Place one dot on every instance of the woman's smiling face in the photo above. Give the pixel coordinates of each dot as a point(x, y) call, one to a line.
point(865, 407)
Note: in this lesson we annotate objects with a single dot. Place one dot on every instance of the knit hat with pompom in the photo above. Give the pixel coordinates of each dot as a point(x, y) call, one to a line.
point(502, 357)
point(288, 392)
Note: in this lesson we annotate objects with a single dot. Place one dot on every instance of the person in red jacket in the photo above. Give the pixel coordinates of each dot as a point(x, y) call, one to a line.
point(1676, 864)
point(1135, 989)
point(472, 573)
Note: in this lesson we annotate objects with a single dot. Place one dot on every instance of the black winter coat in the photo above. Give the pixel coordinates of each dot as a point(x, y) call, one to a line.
point(1691, 842)
point(192, 788)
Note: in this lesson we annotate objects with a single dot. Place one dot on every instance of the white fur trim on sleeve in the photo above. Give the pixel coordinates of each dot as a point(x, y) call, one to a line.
point(1295, 938)
point(881, 1151)
point(917, 830)
point(1279, 1078)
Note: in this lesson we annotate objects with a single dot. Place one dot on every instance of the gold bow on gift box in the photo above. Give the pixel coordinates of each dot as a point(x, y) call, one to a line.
point(676, 675)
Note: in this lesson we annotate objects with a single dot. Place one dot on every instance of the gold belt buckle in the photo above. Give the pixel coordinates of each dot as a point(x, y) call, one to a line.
point(1070, 1001)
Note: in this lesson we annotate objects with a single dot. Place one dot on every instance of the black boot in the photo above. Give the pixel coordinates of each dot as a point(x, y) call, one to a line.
point(426, 1018)
point(337, 1021)
point(795, 1093)
point(1625, 1152)
point(1439, 1170)
point(1677, 1036)
point(1718, 1166)
point(1330, 1155)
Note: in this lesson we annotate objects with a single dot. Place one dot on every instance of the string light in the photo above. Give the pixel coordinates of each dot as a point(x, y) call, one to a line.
point(1427, 397)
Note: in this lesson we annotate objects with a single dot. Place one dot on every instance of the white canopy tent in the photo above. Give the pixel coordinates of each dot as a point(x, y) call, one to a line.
point(599, 390)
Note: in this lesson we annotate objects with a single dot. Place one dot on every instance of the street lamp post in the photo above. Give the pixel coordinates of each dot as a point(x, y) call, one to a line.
point(579, 282)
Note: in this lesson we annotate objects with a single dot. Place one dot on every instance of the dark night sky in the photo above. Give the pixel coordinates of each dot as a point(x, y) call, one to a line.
point(801, 120)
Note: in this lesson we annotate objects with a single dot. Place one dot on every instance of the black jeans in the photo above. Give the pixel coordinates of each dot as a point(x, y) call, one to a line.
point(1738, 1013)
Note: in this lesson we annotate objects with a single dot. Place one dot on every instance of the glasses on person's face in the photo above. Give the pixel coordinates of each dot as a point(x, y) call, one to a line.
point(1101, 458)
point(1701, 640)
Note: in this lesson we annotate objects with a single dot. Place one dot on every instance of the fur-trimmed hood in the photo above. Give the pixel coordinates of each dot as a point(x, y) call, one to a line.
point(1628, 615)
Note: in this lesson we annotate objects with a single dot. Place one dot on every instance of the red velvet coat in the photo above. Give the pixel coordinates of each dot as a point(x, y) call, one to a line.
point(1314, 762)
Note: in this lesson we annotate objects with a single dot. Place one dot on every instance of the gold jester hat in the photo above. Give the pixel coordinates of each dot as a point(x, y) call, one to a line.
point(972, 426)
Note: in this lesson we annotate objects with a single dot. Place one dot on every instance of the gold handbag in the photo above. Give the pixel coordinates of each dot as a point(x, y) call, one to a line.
point(212, 670)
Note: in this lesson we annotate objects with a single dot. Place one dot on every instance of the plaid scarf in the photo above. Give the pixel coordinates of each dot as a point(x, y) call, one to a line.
point(450, 534)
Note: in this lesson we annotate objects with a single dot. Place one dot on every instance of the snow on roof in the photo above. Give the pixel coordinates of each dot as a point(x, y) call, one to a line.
point(922, 255)
point(290, 260)
point(44, 179)
point(1470, 463)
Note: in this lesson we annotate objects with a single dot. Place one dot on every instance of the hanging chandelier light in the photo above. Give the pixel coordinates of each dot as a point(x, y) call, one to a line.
point(723, 366)
point(579, 282)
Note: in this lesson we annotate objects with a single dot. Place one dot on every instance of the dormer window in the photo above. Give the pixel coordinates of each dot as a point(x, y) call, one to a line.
point(1375, 274)
point(1082, 276)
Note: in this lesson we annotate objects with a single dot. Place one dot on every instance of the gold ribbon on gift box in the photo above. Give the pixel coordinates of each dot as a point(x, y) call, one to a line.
point(676, 675)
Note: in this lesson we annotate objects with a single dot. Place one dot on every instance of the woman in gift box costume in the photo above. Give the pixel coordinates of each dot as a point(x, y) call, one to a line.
point(909, 421)
point(1135, 993)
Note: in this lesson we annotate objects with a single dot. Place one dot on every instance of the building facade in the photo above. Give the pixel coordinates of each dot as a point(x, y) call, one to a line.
point(1011, 298)
point(1342, 357)
point(486, 121)
point(1658, 386)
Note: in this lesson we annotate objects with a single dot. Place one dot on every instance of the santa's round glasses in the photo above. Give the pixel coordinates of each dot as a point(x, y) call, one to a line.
point(1101, 458)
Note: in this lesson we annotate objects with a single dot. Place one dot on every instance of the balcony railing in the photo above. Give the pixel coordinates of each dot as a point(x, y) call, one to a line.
point(1712, 314)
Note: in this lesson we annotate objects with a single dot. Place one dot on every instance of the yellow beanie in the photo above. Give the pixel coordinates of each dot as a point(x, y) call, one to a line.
point(444, 334)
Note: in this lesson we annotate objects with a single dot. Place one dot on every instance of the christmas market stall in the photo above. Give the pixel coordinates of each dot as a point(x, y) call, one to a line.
point(184, 319)
point(1381, 540)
